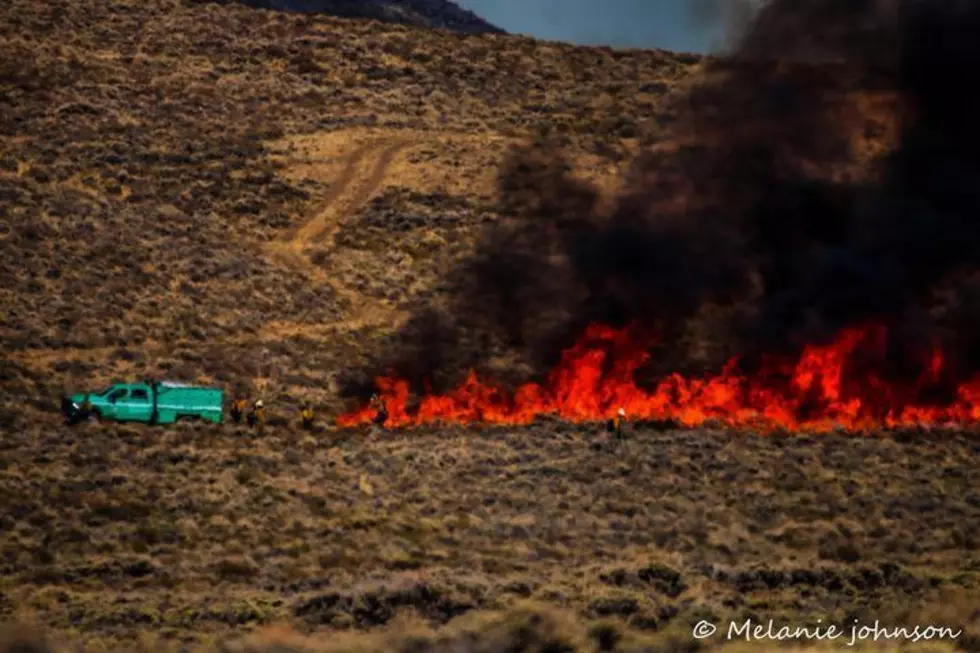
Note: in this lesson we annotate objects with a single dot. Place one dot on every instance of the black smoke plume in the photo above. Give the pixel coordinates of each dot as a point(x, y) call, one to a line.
point(825, 174)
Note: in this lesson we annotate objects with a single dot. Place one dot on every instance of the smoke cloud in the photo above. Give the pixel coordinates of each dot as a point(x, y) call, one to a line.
point(729, 18)
point(822, 176)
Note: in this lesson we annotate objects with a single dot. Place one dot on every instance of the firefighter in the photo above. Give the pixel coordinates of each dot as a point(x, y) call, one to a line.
point(381, 414)
point(256, 416)
point(307, 416)
point(86, 409)
point(616, 424)
point(238, 408)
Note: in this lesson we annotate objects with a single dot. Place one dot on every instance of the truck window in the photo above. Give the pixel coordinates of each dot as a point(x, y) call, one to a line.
point(117, 395)
point(138, 394)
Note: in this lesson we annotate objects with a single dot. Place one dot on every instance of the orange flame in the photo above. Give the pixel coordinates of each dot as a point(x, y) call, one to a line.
point(595, 378)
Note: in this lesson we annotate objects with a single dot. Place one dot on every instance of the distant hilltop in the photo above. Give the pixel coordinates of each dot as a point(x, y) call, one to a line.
point(443, 14)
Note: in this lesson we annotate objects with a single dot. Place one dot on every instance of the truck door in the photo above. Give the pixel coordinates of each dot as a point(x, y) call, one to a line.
point(115, 407)
point(137, 406)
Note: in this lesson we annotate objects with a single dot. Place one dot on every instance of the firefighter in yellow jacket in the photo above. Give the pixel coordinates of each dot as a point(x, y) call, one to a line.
point(238, 409)
point(380, 408)
point(616, 424)
point(307, 416)
point(256, 416)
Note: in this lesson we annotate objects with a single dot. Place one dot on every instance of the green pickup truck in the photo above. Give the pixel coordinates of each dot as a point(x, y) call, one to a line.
point(153, 402)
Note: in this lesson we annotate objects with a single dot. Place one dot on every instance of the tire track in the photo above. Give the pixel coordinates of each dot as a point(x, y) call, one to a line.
point(364, 170)
point(348, 194)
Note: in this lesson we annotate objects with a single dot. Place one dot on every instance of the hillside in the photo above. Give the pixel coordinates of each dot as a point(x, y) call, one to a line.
point(441, 14)
point(175, 199)
point(279, 203)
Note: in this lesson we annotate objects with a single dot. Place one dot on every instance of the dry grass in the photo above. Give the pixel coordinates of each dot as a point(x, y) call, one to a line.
point(157, 155)
point(197, 532)
point(257, 199)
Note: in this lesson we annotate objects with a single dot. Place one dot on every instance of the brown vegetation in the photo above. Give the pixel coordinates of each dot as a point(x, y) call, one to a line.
point(258, 199)
point(152, 151)
point(196, 532)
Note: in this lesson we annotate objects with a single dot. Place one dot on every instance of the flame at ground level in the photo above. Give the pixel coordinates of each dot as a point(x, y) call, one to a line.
point(838, 385)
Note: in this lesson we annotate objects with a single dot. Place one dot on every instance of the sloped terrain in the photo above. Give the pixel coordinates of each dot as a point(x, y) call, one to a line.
point(259, 199)
point(443, 14)
point(151, 156)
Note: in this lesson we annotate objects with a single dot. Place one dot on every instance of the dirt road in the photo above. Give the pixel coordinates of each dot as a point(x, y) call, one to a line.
point(363, 173)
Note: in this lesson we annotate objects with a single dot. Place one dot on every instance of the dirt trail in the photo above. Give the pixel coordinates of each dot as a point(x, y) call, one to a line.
point(306, 231)
point(364, 170)
point(350, 190)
